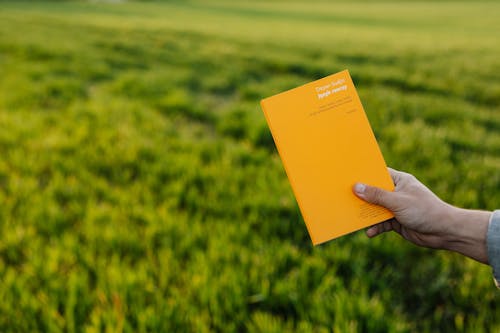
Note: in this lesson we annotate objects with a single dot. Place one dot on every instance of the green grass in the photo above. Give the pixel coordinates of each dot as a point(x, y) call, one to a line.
point(140, 190)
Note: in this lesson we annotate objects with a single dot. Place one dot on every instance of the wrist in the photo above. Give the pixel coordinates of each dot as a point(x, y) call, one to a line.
point(467, 233)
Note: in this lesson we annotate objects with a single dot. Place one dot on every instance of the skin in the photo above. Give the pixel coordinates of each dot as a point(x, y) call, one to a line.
point(425, 220)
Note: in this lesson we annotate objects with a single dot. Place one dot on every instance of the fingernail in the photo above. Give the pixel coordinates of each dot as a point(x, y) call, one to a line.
point(359, 188)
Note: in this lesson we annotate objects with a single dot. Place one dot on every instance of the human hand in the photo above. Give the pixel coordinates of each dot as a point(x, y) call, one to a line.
point(425, 220)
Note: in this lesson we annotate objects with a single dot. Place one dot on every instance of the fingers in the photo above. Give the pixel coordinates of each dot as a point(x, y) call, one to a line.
point(372, 231)
point(394, 172)
point(399, 177)
point(395, 175)
point(379, 228)
point(381, 197)
point(374, 195)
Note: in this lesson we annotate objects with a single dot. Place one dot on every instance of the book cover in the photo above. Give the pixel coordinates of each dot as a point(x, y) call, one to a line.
point(326, 145)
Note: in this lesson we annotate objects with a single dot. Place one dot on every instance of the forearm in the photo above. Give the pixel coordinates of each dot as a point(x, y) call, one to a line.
point(468, 230)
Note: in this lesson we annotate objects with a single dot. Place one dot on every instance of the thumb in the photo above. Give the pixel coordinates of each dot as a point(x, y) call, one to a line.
point(374, 195)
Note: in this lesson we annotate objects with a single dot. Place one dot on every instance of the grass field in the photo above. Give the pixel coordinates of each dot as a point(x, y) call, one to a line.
point(140, 190)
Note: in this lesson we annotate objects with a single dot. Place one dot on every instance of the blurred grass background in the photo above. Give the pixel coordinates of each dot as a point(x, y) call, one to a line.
point(140, 190)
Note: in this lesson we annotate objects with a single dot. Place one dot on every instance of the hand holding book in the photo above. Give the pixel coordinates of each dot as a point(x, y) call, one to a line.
point(425, 220)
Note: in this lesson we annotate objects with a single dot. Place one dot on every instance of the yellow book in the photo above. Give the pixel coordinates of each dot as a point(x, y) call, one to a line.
point(326, 145)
